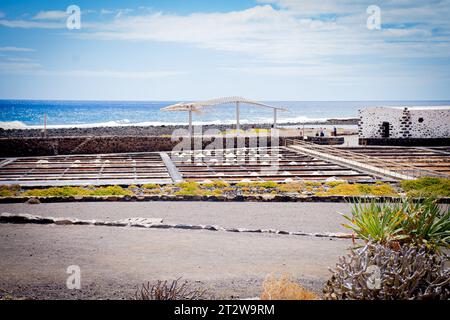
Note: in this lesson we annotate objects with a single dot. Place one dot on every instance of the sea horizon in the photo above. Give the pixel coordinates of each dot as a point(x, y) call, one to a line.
point(30, 113)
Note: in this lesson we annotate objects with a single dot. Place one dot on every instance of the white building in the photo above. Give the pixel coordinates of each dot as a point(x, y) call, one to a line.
point(404, 122)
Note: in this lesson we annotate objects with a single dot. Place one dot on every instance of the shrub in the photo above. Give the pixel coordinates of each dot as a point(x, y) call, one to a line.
point(313, 183)
point(216, 184)
point(56, 192)
point(405, 221)
point(380, 272)
point(284, 288)
point(5, 192)
point(427, 186)
point(356, 189)
point(150, 186)
point(111, 191)
point(291, 187)
point(188, 189)
point(257, 184)
point(268, 185)
point(334, 183)
point(246, 184)
point(162, 290)
point(152, 191)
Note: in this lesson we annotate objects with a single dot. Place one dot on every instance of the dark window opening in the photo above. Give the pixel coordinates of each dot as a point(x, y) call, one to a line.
point(385, 129)
point(420, 120)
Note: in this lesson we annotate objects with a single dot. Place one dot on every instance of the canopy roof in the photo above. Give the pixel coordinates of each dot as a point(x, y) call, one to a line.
point(196, 106)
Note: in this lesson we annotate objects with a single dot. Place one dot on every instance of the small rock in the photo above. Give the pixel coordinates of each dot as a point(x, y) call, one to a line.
point(33, 201)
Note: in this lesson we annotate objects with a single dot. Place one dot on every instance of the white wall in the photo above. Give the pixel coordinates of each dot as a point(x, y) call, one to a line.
point(404, 122)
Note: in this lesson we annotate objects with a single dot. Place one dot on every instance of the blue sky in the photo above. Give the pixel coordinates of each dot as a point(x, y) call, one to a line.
point(194, 49)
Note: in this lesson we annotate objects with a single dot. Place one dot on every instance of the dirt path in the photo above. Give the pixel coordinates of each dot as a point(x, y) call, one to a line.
point(296, 216)
point(114, 260)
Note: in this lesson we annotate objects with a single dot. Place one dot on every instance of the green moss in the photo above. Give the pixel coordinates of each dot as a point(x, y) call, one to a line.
point(427, 186)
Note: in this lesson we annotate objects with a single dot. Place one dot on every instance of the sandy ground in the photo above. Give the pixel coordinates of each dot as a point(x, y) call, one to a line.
point(114, 260)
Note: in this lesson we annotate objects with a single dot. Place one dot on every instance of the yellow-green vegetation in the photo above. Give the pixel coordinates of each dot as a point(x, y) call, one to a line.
point(334, 183)
point(192, 188)
point(77, 191)
point(9, 191)
point(111, 191)
point(150, 186)
point(5, 192)
point(293, 187)
point(188, 189)
point(216, 188)
point(253, 130)
point(263, 185)
point(56, 192)
point(357, 189)
point(313, 183)
point(216, 184)
point(427, 186)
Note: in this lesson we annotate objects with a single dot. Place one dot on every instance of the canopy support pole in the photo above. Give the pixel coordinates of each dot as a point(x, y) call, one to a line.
point(274, 118)
point(238, 125)
point(190, 123)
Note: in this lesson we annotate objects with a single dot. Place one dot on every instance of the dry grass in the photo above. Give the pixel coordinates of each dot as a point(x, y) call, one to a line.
point(174, 290)
point(283, 288)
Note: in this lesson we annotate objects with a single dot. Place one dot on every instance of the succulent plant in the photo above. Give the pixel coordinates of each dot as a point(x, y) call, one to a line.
point(378, 272)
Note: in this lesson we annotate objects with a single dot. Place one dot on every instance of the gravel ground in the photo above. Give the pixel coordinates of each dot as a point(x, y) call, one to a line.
point(292, 216)
point(115, 260)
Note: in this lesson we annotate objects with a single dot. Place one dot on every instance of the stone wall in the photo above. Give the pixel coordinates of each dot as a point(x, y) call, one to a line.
point(426, 142)
point(21, 147)
point(405, 123)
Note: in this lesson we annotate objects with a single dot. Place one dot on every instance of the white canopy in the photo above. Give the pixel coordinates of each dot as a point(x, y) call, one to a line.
point(197, 106)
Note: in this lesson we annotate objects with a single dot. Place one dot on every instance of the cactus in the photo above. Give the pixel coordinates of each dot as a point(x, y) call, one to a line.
point(396, 272)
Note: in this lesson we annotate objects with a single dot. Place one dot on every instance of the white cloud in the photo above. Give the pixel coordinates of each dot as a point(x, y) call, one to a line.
point(16, 49)
point(27, 24)
point(291, 37)
point(282, 34)
point(114, 74)
point(19, 67)
point(106, 11)
point(50, 15)
point(16, 59)
point(27, 67)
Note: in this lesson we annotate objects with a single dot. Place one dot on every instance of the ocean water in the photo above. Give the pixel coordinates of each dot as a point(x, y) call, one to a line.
point(31, 113)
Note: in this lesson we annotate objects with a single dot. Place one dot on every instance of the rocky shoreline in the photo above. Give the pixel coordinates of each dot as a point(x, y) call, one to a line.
point(147, 130)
